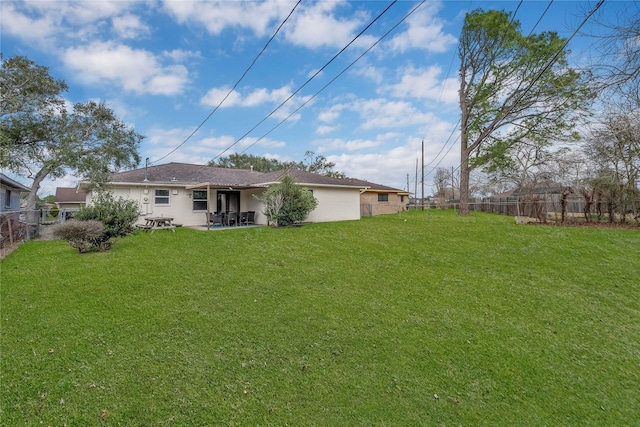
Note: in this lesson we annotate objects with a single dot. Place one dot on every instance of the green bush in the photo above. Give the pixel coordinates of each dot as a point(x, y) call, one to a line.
point(117, 214)
point(54, 211)
point(287, 203)
point(85, 236)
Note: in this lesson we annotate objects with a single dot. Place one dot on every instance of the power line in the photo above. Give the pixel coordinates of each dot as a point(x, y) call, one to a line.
point(541, 16)
point(234, 86)
point(336, 77)
point(308, 80)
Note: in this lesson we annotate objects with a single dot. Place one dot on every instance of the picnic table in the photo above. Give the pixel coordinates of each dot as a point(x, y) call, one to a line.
point(154, 223)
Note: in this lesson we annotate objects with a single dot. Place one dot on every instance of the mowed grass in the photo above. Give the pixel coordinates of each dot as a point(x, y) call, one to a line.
point(413, 319)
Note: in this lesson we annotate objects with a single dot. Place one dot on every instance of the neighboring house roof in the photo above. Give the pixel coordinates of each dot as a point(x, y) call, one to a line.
point(70, 195)
point(5, 181)
point(538, 190)
point(507, 193)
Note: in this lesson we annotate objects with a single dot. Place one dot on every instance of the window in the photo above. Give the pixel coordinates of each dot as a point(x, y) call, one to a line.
point(162, 197)
point(7, 198)
point(401, 199)
point(199, 200)
point(383, 197)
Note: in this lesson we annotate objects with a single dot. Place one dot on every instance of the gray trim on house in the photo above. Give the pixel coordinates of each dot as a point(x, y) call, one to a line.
point(5, 181)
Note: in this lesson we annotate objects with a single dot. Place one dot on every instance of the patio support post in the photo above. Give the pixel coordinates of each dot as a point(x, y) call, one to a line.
point(208, 205)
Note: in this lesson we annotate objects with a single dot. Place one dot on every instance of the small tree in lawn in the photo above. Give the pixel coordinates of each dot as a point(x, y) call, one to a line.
point(287, 203)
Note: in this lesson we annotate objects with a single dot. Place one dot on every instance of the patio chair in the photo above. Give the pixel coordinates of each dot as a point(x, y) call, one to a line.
point(215, 219)
point(231, 218)
point(249, 218)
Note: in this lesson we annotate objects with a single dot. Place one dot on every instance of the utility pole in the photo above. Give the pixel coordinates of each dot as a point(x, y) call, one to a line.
point(453, 188)
point(415, 193)
point(423, 174)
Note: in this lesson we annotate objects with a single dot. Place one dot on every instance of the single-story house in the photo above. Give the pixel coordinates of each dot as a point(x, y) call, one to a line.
point(376, 199)
point(10, 193)
point(70, 198)
point(189, 193)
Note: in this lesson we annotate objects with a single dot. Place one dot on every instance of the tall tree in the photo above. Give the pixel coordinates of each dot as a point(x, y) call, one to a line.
point(43, 138)
point(512, 88)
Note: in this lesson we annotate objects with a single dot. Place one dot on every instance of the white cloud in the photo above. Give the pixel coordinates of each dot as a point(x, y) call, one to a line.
point(46, 23)
point(217, 16)
point(332, 114)
point(323, 130)
point(325, 145)
point(256, 98)
point(180, 55)
point(253, 98)
point(136, 70)
point(129, 27)
point(424, 31)
point(381, 114)
point(390, 166)
point(198, 150)
point(318, 26)
point(18, 24)
point(370, 72)
point(423, 83)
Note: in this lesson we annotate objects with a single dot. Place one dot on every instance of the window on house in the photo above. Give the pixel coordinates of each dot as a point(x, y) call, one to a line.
point(162, 197)
point(383, 197)
point(200, 200)
point(7, 198)
point(401, 199)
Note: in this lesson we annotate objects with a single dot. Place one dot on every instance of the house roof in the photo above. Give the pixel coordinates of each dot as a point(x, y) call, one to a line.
point(304, 177)
point(8, 182)
point(185, 174)
point(70, 195)
point(378, 188)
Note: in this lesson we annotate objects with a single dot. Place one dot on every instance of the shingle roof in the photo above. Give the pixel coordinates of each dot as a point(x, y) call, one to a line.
point(190, 174)
point(375, 187)
point(304, 177)
point(186, 174)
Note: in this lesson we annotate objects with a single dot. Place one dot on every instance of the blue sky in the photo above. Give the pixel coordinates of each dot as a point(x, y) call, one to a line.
point(163, 66)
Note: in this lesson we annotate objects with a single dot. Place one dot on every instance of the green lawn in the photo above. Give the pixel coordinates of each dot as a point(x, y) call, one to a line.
point(418, 319)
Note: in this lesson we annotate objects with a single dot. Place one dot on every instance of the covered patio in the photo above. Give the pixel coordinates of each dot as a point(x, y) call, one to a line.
point(235, 206)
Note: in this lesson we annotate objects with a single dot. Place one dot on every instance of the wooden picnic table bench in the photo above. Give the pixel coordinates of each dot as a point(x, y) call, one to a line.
point(158, 223)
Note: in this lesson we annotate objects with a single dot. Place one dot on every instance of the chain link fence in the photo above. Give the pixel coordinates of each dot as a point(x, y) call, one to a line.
point(19, 226)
